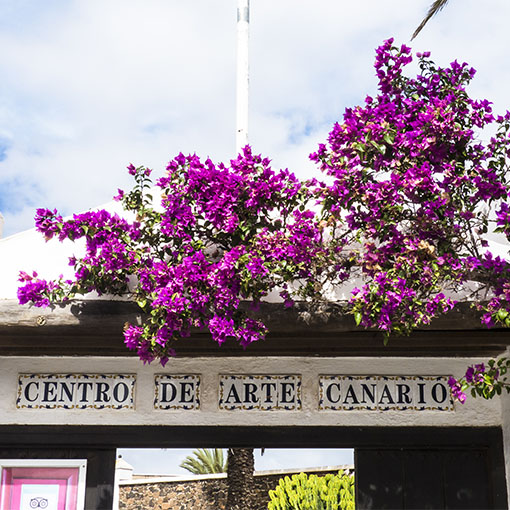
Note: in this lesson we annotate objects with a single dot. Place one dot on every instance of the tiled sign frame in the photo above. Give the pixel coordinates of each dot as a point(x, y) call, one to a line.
point(260, 379)
point(236, 392)
point(180, 379)
point(415, 380)
point(128, 380)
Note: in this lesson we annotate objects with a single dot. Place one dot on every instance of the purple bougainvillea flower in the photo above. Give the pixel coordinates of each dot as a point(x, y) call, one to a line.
point(401, 209)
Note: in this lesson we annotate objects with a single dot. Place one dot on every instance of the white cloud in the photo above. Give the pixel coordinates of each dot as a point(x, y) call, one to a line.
point(91, 85)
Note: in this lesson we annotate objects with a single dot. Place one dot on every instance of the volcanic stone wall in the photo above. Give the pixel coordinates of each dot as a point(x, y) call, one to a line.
point(200, 494)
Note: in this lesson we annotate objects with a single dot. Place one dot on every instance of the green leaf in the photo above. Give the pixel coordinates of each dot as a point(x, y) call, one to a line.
point(388, 138)
point(357, 318)
point(502, 315)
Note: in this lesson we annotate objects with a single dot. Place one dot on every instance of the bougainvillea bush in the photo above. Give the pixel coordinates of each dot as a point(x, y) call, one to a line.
point(411, 185)
point(219, 235)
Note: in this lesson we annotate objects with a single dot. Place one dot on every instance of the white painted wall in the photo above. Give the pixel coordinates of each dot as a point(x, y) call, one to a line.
point(473, 413)
point(28, 251)
point(505, 420)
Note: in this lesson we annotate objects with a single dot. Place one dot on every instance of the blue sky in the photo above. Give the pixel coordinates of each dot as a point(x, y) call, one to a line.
point(89, 86)
point(156, 461)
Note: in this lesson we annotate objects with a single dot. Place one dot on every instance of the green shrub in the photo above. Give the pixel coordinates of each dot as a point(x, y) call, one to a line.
point(303, 492)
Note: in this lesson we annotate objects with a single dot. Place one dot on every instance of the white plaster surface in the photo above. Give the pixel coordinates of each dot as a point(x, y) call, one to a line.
point(28, 251)
point(475, 412)
point(505, 419)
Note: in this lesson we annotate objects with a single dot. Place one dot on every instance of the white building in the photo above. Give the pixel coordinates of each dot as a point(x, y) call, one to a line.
point(70, 389)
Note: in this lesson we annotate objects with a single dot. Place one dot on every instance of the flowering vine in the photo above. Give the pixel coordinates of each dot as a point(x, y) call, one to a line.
point(219, 235)
point(413, 186)
point(481, 380)
point(410, 193)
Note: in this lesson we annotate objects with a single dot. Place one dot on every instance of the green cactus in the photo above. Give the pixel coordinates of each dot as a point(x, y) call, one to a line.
point(303, 492)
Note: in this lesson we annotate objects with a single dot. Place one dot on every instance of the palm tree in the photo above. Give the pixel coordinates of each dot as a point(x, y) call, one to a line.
point(239, 467)
point(433, 10)
point(205, 461)
point(240, 478)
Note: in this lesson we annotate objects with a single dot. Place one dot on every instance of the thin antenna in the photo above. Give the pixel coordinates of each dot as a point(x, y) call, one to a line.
point(243, 77)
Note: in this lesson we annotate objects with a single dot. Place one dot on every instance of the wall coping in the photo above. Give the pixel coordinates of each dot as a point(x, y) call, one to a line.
point(198, 478)
point(94, 328)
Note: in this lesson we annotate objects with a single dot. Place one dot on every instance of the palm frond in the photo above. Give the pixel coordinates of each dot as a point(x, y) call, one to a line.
point(205, 461)
point(433, 10)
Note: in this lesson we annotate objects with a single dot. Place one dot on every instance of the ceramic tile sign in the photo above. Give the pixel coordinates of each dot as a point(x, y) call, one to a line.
point(75, 391)
point(384, 393)
point(177, 392)
point(260, 392)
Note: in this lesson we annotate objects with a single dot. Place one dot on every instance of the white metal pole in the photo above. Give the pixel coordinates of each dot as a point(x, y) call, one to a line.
point(243, 78)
